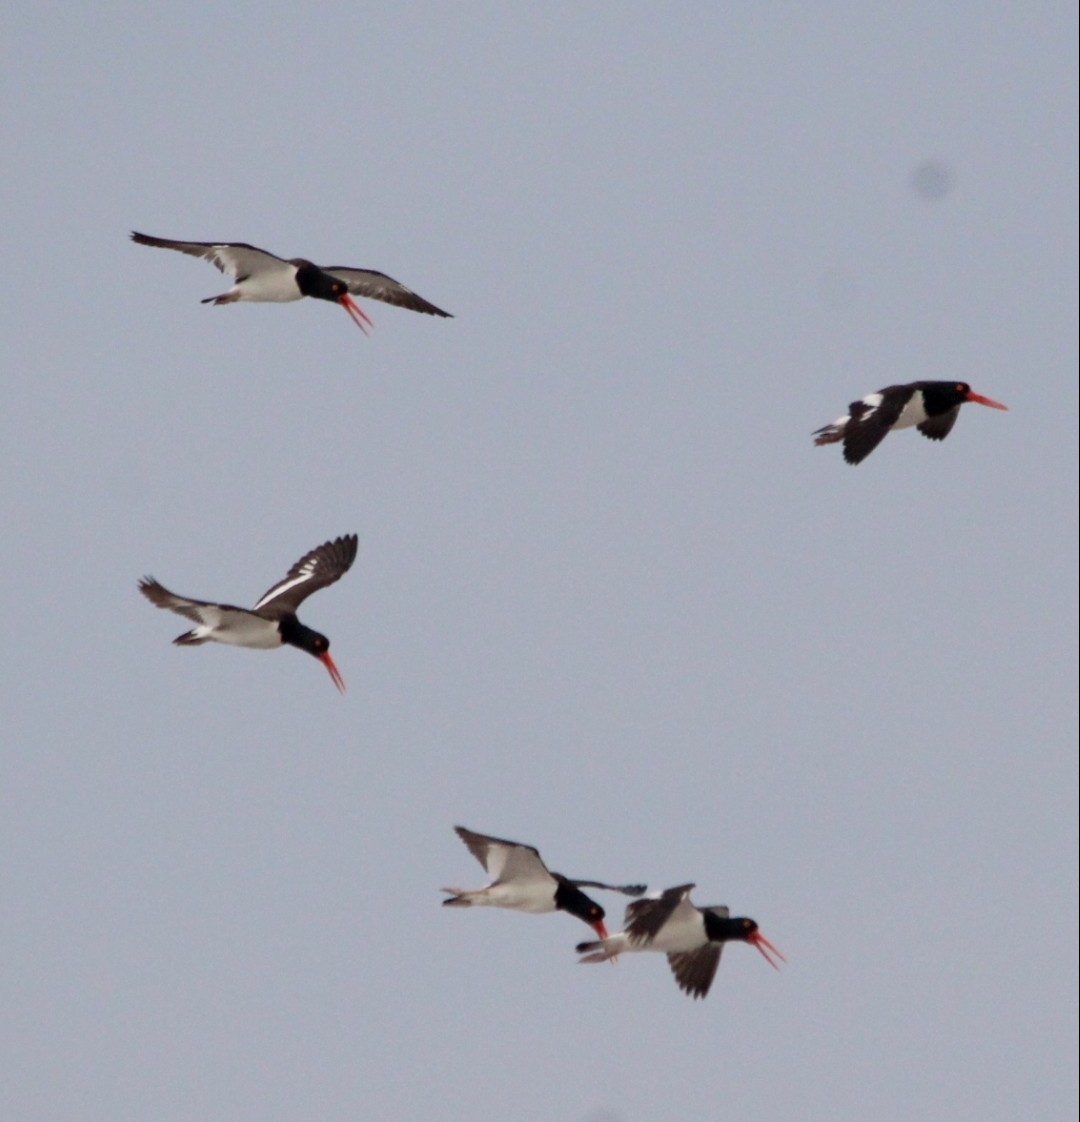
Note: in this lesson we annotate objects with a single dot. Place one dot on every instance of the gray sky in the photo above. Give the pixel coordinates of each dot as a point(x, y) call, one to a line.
point(609, 599)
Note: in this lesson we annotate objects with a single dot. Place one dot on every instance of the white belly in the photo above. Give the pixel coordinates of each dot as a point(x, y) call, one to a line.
point(274, 286)
point(522, 898)
point(913, 413)
point(680, 934)
point(237, 628)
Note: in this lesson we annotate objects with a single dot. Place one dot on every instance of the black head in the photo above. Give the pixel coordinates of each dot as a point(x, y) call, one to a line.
point(940, 397)
point(313, 281)
point(297, 635)
point(570, 898)
point(721, 929)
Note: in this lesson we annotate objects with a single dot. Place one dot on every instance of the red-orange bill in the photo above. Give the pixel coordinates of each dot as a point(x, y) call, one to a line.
point(359, 316)
point(764, 946)
point(328, 662)
point(980, 400)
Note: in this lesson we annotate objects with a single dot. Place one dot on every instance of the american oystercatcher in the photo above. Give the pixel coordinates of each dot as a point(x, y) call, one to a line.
point(272, 622)
point(260, 276)
point(691, 937)
point(931, 407)
point(520, 880)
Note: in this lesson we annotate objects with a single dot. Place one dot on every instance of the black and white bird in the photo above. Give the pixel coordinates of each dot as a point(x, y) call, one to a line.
point(272, 622)
point(691, 937)
point(520, 880)
point(263, 277)
point(932, 407)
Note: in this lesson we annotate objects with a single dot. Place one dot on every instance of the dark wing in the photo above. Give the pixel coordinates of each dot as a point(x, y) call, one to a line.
point(161, 597)
point(504, 860)
point(625, 889)
point(939, 427)
point(378, 286)
point(695, 970)
point(870, 423)
point(198, 611)
point(322, 566)
point(644, 918)
point(236, 259)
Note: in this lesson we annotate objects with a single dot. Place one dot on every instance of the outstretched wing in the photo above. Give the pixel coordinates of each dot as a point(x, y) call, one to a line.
point(504, 860)
point(625, 889)
point(206, 616)
point(316, 569)
point(939, 427)
point(161, 597)
point(871, 419)
point(644, 918)
point(695, 970)
point(378, 286)
point(236, 259)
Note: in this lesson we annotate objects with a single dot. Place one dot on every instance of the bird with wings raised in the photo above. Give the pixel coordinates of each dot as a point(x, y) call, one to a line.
point(520, 880)
point(272, 622)
point(691, 937)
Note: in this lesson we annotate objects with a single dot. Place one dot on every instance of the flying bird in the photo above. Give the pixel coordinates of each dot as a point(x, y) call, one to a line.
point(272, 622)
point(260, 276)
point(520, 880)
point(691, 937)
point(932, 407)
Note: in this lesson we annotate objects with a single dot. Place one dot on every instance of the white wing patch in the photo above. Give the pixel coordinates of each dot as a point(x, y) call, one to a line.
point(496, 860)
point(520, 865)
point(302, 577)
point(872, 401)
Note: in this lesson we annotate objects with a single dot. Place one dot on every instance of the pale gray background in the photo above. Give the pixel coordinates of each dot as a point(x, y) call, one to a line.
point(609, 598)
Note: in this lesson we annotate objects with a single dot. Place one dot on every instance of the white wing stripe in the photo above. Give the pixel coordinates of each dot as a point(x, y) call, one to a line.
point(279, 590)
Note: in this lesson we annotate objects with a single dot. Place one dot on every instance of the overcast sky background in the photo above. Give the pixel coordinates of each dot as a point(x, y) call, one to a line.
point(609, 599)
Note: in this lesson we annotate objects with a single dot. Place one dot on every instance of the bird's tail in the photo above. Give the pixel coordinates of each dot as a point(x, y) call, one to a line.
point(598, 954)
point(602, 950)
point(225, 298)
point(832, 434)
point(190, 639)
point(459, 898)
